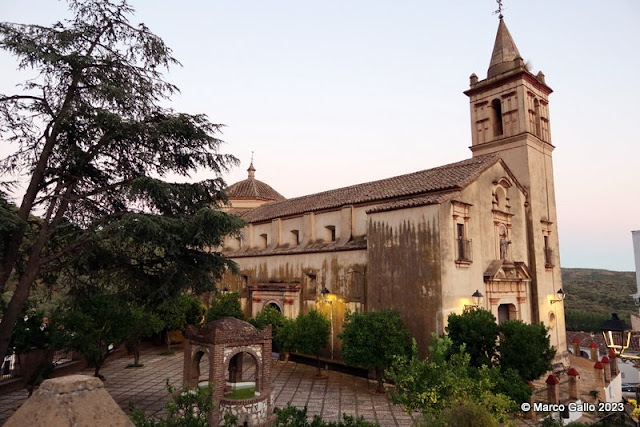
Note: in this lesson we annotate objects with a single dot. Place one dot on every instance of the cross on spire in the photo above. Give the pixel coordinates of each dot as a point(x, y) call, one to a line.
point(499, 10)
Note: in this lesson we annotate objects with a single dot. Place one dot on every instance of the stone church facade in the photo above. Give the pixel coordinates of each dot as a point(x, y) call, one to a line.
point(425, 242)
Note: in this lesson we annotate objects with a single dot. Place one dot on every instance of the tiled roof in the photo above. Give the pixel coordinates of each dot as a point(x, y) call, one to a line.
point(357, 244)
point(428, 199)
point(452, 177)
point(252, 189)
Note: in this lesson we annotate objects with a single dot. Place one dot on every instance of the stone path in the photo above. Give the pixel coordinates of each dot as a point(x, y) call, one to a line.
point(331, 397)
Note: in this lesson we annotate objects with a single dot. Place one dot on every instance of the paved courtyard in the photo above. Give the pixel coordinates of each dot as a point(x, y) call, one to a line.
point(296, 383)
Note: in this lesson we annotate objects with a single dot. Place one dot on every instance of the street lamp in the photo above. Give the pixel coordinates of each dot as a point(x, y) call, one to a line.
point(476, 297)
point(617, 335)
point(561, 296)
point(324, 294)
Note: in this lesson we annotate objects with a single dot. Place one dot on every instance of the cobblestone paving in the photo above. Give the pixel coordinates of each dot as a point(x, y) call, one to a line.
point(329, 397)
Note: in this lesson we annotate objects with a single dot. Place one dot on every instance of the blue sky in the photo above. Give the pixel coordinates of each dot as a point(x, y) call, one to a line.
point(334, 93)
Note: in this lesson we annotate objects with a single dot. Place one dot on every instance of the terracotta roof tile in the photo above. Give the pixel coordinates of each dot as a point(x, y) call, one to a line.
point(253, 189)
point(437, 180)
point(428, 199)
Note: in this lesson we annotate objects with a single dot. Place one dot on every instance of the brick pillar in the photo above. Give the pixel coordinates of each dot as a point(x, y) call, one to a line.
point(532, 413)
point(594, 351)
point(598, 373)
point(552, 389)
point(576, 346)
point(614, 362)
point(607, 369)
point(574, 376)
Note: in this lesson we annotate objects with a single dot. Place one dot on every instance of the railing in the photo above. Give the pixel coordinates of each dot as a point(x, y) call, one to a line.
point(9, 368)
point(548, 257)
point(464, 250)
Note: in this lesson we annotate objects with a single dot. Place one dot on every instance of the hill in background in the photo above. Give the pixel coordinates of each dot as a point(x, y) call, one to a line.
point(592, 295)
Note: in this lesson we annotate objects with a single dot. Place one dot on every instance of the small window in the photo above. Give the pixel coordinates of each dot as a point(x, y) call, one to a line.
point(464, 244)
point(295, 237)
point(331, 233)
point(263, 241)
point(548, 253)
point(536, 105)
point(496, 105)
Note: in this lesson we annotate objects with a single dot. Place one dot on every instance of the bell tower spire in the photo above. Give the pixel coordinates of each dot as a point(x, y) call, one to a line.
point(510, 117)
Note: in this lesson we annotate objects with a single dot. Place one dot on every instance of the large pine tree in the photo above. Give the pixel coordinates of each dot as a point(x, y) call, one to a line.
point(92, 135)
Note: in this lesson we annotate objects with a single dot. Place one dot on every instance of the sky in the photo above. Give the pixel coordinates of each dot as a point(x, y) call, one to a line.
point(334, 93)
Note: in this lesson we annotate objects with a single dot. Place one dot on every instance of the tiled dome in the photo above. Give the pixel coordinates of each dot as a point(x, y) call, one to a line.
point(253, 189)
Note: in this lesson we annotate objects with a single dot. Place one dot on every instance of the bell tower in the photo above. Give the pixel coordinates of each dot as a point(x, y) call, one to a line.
point(510, 117)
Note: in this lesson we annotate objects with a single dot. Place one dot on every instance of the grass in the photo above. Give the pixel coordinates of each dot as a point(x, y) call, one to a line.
point(241, 393)
point(134, 365)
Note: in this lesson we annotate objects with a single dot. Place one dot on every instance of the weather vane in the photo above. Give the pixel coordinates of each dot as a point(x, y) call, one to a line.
point(499, 11)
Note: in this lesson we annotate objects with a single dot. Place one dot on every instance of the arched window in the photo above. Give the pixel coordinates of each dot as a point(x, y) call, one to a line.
point(536, 105)
point(496, 106)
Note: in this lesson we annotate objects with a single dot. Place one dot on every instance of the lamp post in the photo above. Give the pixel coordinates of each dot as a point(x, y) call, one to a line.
point(560, 295)
point(324, 294)
point(617, 336)
point(476, 298)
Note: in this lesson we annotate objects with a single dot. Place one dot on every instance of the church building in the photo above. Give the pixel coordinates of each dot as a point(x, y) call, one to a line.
point(479, 232)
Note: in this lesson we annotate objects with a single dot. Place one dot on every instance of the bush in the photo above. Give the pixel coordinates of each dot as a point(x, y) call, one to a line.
point(294, 417)
point(525, 348)
point(270, 316)
point(362, 344)
point(464, 414)
point(225, 304)
point(189, 408)
point(477, 330)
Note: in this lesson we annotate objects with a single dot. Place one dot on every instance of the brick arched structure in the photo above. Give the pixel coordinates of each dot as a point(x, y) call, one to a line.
point(221, 341)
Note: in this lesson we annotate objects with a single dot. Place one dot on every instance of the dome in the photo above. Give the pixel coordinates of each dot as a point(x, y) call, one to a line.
point(252, 189)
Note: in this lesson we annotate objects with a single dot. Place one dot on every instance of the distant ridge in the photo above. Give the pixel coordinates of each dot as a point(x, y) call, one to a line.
point(593, 294)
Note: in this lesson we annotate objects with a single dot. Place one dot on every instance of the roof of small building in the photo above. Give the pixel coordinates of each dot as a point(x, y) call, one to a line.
point(253, 189)
point(443, 179)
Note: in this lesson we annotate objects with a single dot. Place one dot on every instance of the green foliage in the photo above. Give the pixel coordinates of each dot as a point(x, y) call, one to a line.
point(94, 137)
point(96, 324)
point(362, 344)
point(189, 408)
point(142, 324)
point(33, 331)
point(508, 382)
point(286, 335)
point(290, 416)
point(592, 295)
point(588, 321)
point(185, 309)
point(433, 383)
point(312, 332)
point(241, 393)
point(225, 304)
point(525, 348)
point(271, 316)
point(361, 338)
point(466, 413)
point(446, 381)
point(477, 331)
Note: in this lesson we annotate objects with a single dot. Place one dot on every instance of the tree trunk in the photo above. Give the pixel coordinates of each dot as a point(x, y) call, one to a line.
point(136, 354)
point(10, 316)
point(318, 359)
point(380, 388)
